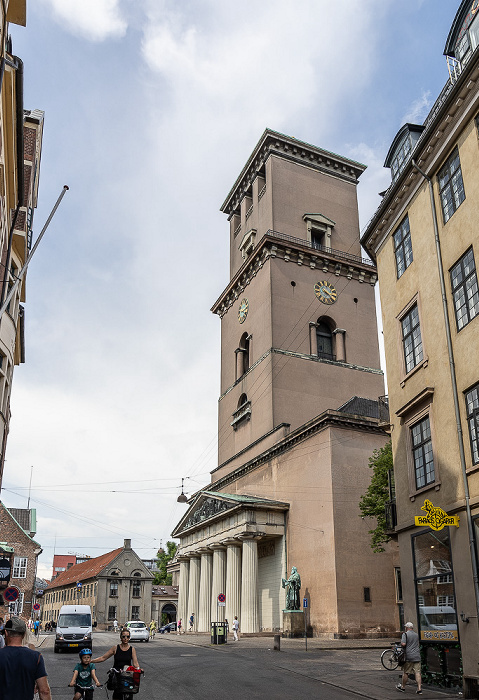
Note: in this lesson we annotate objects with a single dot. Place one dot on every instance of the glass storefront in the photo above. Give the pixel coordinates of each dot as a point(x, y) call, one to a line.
point(437, 619)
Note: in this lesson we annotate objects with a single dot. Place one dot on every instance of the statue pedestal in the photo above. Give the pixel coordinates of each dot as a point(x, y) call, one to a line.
point(293, 623)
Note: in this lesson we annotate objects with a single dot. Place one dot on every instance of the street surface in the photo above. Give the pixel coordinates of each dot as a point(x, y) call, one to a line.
point(187, 667)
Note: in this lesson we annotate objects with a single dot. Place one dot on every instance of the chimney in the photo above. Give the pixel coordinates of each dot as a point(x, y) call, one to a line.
point(127, 544)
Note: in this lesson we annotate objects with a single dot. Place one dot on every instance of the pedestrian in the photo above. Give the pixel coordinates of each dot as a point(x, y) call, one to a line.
point(20, 667)
point(123, 655)
point(178, 626)
point(410, 643)
point(192, 621)
point(30, 624)
point(152, 629)
point(227, 627)
point(235, 629)
point(115, 625)
point(84, 676)
point(36, 627)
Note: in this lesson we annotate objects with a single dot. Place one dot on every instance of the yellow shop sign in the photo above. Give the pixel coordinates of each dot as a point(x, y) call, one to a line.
point(436, 518)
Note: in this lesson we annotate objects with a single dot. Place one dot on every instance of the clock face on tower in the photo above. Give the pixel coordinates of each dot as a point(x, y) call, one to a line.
point(243, 310)
point(325, 292)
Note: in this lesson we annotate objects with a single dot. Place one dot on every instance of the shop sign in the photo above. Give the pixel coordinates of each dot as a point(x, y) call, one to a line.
point(436, 517)
point(439, 636)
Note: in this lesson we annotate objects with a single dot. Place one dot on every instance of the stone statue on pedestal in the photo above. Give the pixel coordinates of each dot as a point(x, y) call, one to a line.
point(292, 594)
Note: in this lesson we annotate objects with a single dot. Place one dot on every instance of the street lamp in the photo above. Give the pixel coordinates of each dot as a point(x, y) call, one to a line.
point(182, 498)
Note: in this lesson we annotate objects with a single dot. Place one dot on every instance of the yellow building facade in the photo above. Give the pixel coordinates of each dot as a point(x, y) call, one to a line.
point(424, 239)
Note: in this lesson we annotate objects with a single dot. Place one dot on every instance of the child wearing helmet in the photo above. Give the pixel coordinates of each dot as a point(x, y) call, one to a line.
point(84, 676)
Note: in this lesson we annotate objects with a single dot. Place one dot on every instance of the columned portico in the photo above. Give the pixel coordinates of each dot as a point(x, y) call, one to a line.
point(194, 589)
point(183, 592)
point(233, 580)
point(219, 581)
point(249, 586)
point(219, 537)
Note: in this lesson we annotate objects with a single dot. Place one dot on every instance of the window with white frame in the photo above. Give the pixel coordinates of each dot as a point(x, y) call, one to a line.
point(472, 408)
point(451, 186)
point(445, 600)
point(465, 291)
point(402, 247)
point(411, 338)
point(422, 453)
point(20, 567)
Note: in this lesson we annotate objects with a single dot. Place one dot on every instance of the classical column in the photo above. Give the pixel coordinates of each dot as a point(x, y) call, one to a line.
point(204, 614)
point(340, 344)
point(183, 613)
point(219, 581)
point(249, 621)
point(233, 580)
point(193, 590)
point(313, 338)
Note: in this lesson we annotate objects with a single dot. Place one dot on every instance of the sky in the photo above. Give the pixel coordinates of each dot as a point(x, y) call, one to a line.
point(152, 107)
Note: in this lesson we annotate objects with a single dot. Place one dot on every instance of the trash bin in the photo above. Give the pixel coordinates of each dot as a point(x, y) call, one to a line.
point(218, 633)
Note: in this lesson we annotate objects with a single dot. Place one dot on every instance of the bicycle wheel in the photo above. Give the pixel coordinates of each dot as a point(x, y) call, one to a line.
point(389, 660)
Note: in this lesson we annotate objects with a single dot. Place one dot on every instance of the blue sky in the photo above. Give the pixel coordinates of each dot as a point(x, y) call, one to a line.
point(151, 109)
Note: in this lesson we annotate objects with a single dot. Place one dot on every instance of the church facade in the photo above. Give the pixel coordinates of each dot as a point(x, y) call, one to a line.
point(299, 414)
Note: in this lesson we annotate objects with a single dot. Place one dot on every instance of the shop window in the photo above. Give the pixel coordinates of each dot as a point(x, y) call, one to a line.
point(112, 612)
point(411, 339)
point(436, 601)
point(403, 247)
point(465, 291)
point(422, 453)
point(451, 186)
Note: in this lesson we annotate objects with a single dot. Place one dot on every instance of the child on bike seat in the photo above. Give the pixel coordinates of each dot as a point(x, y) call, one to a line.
point(84, 676)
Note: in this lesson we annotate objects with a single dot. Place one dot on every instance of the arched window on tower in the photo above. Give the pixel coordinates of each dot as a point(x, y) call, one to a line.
point(243, 355)
point(242, 413)
point(324, 337)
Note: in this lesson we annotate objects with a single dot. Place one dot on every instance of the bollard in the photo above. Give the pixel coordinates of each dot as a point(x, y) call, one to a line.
point(277, 642)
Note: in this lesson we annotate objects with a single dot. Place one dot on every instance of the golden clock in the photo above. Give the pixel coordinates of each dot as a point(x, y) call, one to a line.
point(325, 292)
point(243, 310)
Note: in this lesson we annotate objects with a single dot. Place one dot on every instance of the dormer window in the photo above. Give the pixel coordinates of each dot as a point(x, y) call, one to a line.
point(402, 148)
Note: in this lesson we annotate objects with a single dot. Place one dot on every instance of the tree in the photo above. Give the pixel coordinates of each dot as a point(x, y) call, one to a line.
point(163, 558)
point(373, 502)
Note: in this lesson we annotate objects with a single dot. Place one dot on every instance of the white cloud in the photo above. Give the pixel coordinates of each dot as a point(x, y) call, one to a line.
point(95, 20)
point(419, 109)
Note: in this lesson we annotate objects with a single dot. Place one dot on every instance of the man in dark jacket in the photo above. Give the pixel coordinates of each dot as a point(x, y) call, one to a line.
point(21, 667)
point(410, 642)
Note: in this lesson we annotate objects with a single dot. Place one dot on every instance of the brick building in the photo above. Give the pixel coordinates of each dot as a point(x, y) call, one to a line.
point(24, 552)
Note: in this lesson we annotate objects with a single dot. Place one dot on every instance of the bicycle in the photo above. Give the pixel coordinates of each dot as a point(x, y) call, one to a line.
point(86, 691)
point(390, 657)
point(125, 682)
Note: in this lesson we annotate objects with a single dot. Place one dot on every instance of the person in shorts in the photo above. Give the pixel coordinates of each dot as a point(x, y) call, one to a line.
point(410, 642)
point(84, 676)
point(21, 668)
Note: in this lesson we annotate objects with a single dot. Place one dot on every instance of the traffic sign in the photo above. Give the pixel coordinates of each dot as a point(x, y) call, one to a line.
point(305, 602)
point(36, 606)
point(79, 584)
point(11, 594)
point(221, 598)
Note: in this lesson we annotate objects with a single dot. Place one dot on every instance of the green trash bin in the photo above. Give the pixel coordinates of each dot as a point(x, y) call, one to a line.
point(218, 633)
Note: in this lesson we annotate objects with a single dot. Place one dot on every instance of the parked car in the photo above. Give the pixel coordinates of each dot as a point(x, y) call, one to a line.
point(170, 627)
point(139, 632)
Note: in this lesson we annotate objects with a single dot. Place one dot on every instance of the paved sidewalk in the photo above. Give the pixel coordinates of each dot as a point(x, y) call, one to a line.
point(350, 664)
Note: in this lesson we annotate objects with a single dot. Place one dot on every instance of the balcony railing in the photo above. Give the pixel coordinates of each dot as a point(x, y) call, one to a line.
point(322, 248)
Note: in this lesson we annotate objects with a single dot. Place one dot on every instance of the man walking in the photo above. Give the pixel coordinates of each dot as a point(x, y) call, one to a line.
point(235, 628)
point(21, 667)
point(410, 642)
point(192, 621)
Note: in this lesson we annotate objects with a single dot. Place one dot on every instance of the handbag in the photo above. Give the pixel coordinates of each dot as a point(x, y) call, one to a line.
point(401, 656)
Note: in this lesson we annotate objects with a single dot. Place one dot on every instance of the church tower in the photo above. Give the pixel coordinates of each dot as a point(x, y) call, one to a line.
point(299, 415)
point(298, 323)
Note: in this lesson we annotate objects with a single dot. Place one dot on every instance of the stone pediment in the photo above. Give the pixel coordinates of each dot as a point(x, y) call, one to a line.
point(209, 504)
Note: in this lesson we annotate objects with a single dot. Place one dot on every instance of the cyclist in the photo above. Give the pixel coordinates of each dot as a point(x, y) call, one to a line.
point(123, 655)
point(152, 629)
point(84, 676)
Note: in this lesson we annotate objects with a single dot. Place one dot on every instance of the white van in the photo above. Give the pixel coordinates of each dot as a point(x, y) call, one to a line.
point(437, 617)
point(73, 628)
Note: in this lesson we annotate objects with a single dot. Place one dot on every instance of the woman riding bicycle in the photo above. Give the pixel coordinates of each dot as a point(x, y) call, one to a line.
point(123, 655)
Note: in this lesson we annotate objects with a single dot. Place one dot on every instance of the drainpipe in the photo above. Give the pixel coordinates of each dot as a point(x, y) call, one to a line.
point(455, 393)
